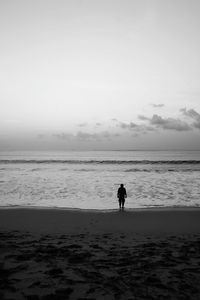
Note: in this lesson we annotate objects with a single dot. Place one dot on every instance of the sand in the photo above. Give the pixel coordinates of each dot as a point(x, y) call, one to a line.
point(74, 254)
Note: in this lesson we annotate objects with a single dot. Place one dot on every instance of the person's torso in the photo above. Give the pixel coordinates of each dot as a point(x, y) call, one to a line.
point(122, 192)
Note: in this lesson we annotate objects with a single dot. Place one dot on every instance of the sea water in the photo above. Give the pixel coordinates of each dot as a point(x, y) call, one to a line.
point(90, 179)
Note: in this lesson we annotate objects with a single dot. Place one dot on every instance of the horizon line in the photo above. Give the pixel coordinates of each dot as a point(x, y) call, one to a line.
point(95, 150)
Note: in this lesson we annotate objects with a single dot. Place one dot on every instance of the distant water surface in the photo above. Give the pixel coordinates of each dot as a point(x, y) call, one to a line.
point(90, 179)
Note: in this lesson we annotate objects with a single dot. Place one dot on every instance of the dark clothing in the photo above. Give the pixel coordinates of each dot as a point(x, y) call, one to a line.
point(121, 202)
point(121, 194)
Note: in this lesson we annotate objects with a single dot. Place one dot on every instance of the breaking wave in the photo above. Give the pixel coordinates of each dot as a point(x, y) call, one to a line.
point(102, 162)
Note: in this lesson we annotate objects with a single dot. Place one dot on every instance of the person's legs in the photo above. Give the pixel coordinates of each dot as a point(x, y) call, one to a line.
point(120, 203)
point(123, 201)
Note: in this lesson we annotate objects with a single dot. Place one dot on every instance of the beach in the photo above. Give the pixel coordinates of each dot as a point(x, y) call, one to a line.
point(51, 253)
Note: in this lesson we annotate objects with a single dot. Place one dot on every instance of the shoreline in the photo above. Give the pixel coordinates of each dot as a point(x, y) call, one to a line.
point(156, 221)
point(103, 210)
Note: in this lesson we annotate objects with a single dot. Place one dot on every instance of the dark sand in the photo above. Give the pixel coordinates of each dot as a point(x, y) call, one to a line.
point(73, 254)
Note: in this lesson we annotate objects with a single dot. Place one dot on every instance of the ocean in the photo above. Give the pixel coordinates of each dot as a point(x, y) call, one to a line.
point(90, 179)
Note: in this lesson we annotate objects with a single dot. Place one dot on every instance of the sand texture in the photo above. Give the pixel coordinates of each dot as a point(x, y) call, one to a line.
point(99, 259)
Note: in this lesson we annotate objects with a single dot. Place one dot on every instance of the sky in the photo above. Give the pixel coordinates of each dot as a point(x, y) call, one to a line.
point(103, 75)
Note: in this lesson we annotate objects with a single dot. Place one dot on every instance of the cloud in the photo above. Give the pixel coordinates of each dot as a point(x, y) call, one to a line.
point(143, 118)
point(148, 128)
point(114, 120)
point(104, 135)
point(86, 136)
point(129, 126)
point(136, 128)
point(117, 134)
point(169, 123)
point(41, 136)
point(194, 115)
point(156, 121)
point(157, 105)
point(63, 136)
point(82, 124)
point(149, 124)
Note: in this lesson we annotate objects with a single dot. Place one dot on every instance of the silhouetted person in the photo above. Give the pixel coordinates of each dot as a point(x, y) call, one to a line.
point(121, 194)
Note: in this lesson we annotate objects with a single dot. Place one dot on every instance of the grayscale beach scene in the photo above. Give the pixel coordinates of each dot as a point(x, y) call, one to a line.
point(99, 150)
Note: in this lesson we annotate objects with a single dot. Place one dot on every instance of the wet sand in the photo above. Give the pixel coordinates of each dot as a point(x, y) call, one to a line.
point(74, 254)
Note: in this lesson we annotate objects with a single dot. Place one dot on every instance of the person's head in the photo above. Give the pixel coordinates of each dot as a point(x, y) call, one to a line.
point(121, 185)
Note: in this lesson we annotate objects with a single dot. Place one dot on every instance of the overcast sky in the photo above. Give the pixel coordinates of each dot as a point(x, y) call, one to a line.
point(109, 74)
